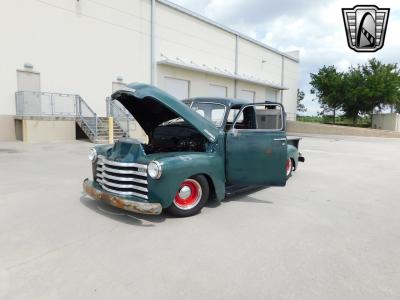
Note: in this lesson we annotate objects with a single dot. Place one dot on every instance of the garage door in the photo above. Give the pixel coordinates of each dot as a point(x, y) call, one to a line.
point(215, 90)
point(178, 88)
point(247, 95)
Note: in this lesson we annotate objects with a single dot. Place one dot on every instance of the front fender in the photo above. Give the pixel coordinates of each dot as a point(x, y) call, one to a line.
point(178, 167)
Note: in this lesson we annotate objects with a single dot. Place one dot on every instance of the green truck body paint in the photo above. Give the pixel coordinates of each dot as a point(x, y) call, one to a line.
point(185, 144)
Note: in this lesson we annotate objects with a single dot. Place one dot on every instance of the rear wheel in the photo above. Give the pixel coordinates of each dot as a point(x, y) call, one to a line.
point(190, 198)
point(289, 167)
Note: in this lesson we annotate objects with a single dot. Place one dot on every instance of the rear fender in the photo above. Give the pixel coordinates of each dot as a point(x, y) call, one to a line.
point(293, 153)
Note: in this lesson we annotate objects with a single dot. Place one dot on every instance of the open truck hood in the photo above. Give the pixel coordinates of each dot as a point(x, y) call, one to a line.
point(151, 106)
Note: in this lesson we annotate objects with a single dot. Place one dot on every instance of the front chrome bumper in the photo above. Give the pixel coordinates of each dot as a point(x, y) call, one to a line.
point(114, 200)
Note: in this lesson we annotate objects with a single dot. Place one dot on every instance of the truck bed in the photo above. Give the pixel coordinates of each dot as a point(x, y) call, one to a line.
point(294, 141)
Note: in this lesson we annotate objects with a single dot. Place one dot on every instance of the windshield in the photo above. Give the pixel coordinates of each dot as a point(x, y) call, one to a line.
point(214, 112)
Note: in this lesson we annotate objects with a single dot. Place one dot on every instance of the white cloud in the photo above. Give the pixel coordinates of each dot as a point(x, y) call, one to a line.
point(313, 27)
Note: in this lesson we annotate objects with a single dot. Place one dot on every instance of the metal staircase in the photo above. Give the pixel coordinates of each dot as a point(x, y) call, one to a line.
point(56, 106)
point(121, 116)
point(97, 129)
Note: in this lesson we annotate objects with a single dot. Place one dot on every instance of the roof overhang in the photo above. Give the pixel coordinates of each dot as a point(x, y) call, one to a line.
point(218, 72)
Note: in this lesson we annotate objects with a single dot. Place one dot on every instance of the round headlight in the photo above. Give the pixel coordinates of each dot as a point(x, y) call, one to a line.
point(154, 169)
point(92, 154)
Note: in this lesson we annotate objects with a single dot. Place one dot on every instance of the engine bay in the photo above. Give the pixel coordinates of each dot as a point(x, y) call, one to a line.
point(175, 137)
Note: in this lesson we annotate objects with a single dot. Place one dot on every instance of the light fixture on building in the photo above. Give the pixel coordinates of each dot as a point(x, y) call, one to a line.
point(120, 79)
point(263, 61)
point(28, 66)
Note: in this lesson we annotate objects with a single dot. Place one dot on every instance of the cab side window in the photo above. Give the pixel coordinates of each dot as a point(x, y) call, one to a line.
point(269, 117)
point(261, 116)
point(245, 120)
point(233, 112)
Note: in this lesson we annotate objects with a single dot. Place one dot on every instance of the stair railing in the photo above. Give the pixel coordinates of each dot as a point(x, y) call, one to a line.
point(120, 115)
point(87, 116)
point(41, 104)
point(33, 103)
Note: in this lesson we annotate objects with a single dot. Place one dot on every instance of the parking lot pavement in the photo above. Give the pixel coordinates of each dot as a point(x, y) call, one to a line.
point(332, 233)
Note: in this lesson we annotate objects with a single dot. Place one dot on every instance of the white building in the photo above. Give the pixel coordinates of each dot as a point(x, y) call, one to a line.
point(83, 46)
point(386, 121)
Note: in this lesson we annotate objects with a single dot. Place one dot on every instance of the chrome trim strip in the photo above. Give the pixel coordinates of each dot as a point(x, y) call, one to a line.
point(119, 164)
point(125, 193)
point(125, 186)
point(124, 178)
point(124, 171)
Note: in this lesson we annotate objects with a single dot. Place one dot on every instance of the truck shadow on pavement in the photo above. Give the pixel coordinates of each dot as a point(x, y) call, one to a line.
point(120, 215)
point(241, 195)
point(131, 218)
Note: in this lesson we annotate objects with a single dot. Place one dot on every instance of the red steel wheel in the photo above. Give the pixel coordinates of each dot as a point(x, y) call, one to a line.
point(190, 197)
point(188, 194)
point(289, 167)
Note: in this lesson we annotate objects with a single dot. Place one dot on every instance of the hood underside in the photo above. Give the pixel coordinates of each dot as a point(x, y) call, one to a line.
point(151, 107)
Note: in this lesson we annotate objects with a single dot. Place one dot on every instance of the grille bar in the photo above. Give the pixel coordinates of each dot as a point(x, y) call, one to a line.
point(124, 186)
point(120, 164)
point(122, 178)
point(118, 171)
point(125, 193)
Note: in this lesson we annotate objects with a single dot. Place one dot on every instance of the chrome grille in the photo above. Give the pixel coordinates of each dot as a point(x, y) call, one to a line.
point(122, 178)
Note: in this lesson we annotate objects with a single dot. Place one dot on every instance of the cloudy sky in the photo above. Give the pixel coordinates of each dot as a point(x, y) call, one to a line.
point(313, 27)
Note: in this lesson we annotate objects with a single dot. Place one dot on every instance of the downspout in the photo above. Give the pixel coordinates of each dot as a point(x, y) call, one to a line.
point(152, 43)
point(236, 63)
point(282, 76)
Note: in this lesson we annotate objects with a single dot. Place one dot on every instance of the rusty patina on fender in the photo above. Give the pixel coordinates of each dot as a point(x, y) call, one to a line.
point(134, 206)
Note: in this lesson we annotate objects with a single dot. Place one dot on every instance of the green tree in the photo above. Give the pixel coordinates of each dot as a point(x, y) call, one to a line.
point(397, 107)
point(358, 91)
point(328, 86)
point(381, 86)
point(300, 105)
point(353, 100)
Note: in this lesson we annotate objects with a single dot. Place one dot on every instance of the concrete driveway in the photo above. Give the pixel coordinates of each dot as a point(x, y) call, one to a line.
point(332, 233)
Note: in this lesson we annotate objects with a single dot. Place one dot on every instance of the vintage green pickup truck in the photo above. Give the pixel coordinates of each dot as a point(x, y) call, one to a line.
point(196, 149)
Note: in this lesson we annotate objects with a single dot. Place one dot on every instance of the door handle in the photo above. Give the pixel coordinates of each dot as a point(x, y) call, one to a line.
point(281, 139)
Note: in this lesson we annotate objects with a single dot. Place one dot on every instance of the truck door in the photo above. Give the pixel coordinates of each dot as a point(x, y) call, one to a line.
point(256, 147)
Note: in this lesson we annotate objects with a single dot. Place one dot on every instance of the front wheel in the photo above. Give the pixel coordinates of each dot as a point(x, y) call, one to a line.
point(190, 198)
